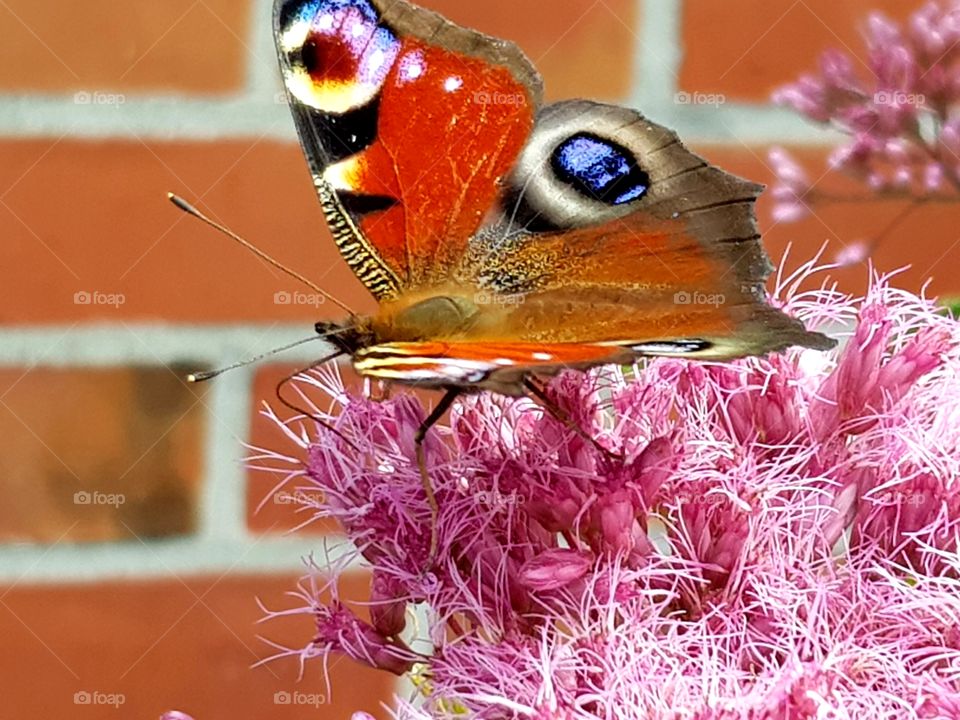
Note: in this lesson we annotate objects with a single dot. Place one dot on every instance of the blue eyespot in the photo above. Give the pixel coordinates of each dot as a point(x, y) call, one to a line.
point(306, 10)
point(600, 169)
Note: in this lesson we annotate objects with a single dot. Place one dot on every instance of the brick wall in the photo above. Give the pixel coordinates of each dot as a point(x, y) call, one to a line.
point(131, 555)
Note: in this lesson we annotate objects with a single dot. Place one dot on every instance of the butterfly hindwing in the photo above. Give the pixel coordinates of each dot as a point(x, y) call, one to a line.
point(409, 124)
point(611, 230)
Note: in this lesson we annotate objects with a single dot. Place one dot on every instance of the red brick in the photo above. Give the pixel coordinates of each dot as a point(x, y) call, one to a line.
point(928, 241)
point(199, 47)
point(95, 217)
point(582, 49)
point(133, 434)
point(744, 49)
point(174, 644)
point(122, 45)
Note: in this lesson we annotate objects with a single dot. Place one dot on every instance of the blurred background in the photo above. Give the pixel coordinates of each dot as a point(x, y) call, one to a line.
point(131, 555)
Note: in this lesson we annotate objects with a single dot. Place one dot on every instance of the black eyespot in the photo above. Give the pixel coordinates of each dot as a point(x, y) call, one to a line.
point(600, 169)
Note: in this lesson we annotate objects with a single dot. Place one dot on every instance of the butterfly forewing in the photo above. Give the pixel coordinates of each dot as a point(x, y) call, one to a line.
point(503, 238)
point(409, 123)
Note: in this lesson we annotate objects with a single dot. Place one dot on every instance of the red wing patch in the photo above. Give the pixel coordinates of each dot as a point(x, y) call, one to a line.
point(450, 128)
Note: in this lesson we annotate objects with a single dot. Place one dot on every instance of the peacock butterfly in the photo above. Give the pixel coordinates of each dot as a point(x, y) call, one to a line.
point(505, 239)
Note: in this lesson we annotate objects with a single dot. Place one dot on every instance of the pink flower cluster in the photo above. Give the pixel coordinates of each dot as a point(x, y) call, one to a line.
point(901, 110)
point(767, 539)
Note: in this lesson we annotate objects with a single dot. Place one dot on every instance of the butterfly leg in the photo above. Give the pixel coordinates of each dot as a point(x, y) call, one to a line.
point(562, 416)
point(445, 402)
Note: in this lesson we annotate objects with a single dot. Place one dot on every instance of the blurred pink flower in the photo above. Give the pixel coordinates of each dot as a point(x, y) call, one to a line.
point(793, 185)
point(902, 115)
point(771, 538)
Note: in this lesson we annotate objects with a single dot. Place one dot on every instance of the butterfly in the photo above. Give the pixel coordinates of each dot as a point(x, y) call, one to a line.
point(505, 239)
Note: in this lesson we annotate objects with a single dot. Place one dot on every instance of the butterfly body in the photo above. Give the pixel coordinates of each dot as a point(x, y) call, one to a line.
point(503, 238)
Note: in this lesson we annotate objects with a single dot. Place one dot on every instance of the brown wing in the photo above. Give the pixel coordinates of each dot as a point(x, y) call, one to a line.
point(613, 232)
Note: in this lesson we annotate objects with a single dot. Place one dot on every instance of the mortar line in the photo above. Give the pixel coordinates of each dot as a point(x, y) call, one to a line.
point(270, 555)
point(109, 345)
point(657, 56)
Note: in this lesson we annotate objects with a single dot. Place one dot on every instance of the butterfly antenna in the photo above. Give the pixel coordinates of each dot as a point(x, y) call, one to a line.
point(306, 413)
point(191, 210)
point(204, 376)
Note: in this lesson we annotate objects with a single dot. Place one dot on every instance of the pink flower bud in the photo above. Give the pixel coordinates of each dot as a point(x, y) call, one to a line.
point(878, 182)
point(881, 30)
point(838, 70)
point(903, 177)
point(613, 518)
point(807, 97)
point(933, 177)
point(923, 353)
point(713, 532)
point(920, 502)
point(950, 135)
point(387, 612)
point(788, 170)
point(926, 34)
point(555, 569)
point(339, 629)
point(789, 213)
point(654, 466)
